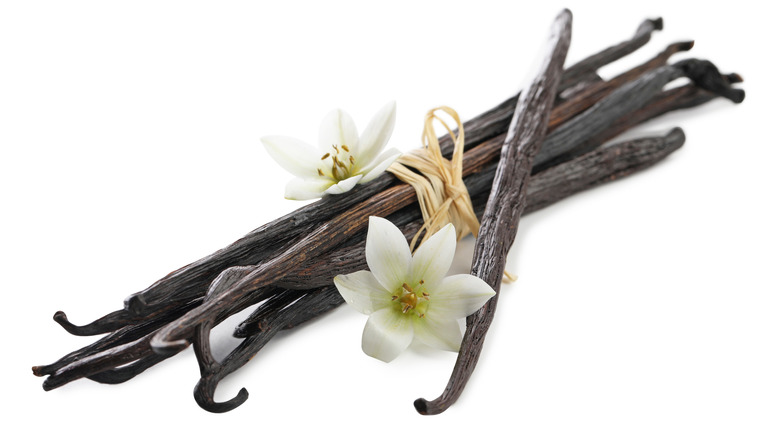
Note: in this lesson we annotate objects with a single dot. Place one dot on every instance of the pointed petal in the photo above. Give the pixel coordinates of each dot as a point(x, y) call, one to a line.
point(376, 134)
point(387, 253)
point(458, 296)
point(433, 258)
point(295, 156)
point(380, 165)
point(337, 129)
point(442, 334)
point(303, 189)
point(387, 333)
point(362, 292)
point(344, 185)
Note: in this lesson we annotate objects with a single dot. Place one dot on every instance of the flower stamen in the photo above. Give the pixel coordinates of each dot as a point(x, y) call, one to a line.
point(408, 301)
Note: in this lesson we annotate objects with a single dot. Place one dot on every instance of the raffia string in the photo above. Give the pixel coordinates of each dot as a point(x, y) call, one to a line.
point(441, 193)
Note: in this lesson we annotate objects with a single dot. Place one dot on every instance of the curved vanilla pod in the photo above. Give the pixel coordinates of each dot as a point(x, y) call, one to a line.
point(505, 205)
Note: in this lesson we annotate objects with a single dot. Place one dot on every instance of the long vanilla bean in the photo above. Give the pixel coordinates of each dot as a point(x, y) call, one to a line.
point(505, 205)
point(585, 130)
point(267, 266)
point(664, 102)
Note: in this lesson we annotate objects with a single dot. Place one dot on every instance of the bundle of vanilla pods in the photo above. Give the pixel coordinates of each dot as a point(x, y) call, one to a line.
point(547, 142)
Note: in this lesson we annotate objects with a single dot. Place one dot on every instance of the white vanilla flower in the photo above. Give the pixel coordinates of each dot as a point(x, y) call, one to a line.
point(343, 159)
point(408, 296)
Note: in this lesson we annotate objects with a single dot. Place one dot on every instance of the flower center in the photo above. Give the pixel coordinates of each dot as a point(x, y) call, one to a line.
point(413, 300)
point(340, 163)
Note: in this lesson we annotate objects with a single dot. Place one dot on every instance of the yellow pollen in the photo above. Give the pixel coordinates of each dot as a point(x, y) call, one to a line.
point(345, 147)
point(351, 159)
point(395, 297)
point(325, 156)
point(408, 301)
point(408, 289)
point(320, 172)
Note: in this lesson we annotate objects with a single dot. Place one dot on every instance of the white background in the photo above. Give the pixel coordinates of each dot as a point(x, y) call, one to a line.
point(130, 147)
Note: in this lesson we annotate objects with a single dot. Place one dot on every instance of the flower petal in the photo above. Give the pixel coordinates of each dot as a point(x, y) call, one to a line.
point(433, 258)
point(337, 129)
point(377, 133)
point(458, 296)
point(387, 253)
point(379, 165)
point(303, 189)
point(295, 156)
point(344, 185)
point(361, 291)
point(443, 334)
point(387, 333)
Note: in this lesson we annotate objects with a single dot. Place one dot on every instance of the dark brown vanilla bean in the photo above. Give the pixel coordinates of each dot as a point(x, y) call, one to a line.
point(505, 205)
point(682, 97)
point(112, 341)
point(287, 265)
point(666, 99)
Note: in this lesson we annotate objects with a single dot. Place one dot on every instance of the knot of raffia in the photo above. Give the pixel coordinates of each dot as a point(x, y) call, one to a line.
point(438, 182)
